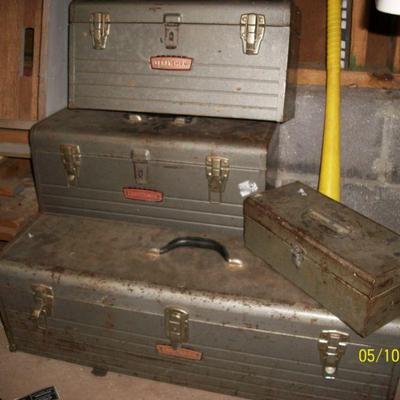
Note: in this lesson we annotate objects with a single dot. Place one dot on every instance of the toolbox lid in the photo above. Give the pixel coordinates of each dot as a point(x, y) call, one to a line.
point(359, 251)
point(113, 134)
point(276, 12)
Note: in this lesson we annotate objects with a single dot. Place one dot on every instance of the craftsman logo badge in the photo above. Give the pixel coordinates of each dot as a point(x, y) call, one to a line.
point(171, 63)
point(180, 352)
point(149, 195)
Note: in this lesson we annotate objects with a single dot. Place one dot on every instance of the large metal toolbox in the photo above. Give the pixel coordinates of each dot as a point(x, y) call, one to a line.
point(104, 164)
point(207, 58)
point(344, 260)
point(95, 292)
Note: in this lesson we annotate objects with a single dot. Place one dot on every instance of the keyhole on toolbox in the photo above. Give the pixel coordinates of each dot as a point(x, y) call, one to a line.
point(171, 36)
point(140, 173)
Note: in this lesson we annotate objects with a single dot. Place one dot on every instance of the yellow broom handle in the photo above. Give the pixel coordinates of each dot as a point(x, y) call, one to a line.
point(329, 181)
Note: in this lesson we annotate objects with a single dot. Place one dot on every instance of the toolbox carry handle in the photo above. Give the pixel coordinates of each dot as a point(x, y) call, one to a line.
point(200, 243)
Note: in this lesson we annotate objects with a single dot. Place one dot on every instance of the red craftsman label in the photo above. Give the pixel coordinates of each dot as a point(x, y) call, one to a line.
point(180, 352)
point(171, 63)
point(143, 194)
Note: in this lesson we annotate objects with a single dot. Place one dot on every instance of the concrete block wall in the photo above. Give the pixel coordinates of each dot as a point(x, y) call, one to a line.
point(370, 149)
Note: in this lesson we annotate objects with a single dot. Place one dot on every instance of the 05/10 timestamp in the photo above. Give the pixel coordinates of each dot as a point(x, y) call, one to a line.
point(370, 355)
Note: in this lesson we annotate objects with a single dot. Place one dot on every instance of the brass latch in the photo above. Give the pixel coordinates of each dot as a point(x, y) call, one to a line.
point(176, 325)
point(171, 34)
point(140, 160)
point(332, 346)
point(100, 29)
point(217, 171)
point(43, 298)
point(252, 29)
point(71, 158)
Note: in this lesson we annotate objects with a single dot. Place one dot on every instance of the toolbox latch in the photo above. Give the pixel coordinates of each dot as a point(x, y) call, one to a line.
point(252, 29)
point(140, 160)
point(71, 158)
point(43, 298)
point(171, 25)
point(332, 346)
point(217, 171)
point(176, 325)
point(100, 29)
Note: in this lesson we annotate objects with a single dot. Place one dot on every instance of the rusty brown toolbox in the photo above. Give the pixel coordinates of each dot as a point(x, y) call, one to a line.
point(95, 292)
point(347, 262)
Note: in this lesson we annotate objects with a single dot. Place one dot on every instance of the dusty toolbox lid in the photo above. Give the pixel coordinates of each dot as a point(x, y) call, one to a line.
point(276, 12)
point(364, 254)
point(112, 134)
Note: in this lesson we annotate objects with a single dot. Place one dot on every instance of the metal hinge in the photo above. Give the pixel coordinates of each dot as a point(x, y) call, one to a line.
point(100, 29)
point(43, 298)
point(176, 325)
point(252, 28)
point(171, 27)
point(332, 346)
point(71, 158)
point(140, 160)
point(217, 171)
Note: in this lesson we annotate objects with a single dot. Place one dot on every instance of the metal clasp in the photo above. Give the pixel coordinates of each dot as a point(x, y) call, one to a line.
point(252, 28)
point(71, 158)
point(217, 171)
point(332, 346)
point(43, 298)
point(176, 325)
point(297, 255)
point(140, 160)
point(100, 29)
point(171, 26)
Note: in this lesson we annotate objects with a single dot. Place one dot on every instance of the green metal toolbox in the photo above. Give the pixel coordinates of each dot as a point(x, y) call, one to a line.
point(108, 164)
point(347, 262)
point(208, 58)
point(97, 293)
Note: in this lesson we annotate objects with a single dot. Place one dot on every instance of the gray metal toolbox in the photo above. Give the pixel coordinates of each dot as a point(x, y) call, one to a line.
point(101, 163)
point(208, 58)
point(95, 292)
point(344, 260)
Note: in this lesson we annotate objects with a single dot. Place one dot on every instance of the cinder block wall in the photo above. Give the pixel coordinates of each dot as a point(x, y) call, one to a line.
point(370, 149)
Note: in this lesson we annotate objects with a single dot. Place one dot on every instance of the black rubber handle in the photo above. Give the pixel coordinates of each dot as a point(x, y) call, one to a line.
point(197, 242)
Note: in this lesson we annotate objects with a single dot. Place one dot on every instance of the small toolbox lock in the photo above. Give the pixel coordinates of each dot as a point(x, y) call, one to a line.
point(171, 34)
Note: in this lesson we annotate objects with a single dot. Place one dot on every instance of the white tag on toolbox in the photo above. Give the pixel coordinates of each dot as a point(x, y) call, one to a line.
point(246, 188)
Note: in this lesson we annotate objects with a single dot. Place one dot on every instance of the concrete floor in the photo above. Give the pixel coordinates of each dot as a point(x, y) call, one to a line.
point(22, 374)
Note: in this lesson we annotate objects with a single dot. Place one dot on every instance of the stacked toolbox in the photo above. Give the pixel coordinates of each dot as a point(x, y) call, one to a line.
point(100, 292)
point(89, 291)
point(102, 164)
point(211, 58)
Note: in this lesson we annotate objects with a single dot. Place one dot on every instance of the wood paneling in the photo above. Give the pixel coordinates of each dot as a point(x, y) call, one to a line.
point(354, 79)
point(359, 33)
point(19, 93)
point(312, 46)
point(14, 136)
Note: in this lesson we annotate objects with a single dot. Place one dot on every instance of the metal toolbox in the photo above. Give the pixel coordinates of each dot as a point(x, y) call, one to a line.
point(347, 262)
point(212, 58)
point(95, 292)
point(100, 163)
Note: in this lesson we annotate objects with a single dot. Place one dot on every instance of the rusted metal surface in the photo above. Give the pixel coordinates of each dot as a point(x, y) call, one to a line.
point(257, 334)
point(349, 263)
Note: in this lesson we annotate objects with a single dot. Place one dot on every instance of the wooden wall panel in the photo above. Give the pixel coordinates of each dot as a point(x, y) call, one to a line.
point(359, 33)
point(18, 93)
point(312, 46)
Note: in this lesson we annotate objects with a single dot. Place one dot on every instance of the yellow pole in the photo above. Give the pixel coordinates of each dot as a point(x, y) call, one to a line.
point(329, 180)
